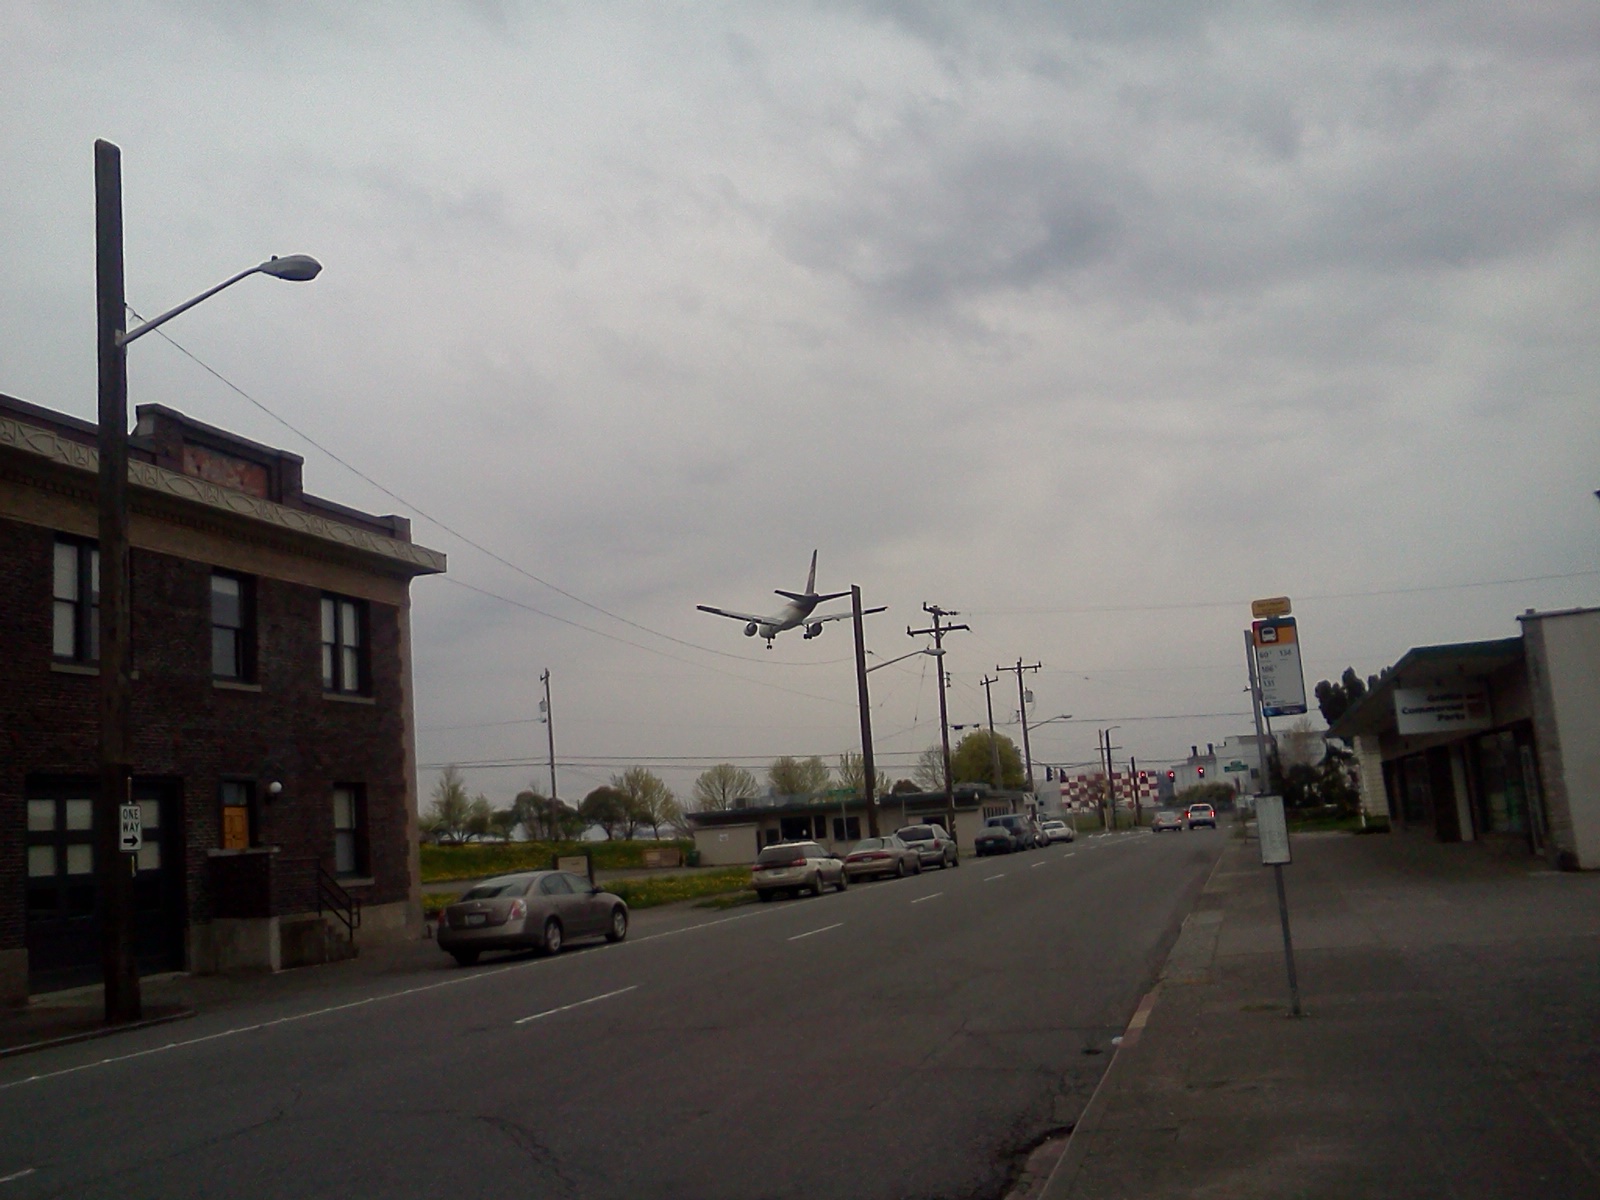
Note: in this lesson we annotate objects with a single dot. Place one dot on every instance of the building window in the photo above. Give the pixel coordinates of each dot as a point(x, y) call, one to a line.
point(349, 830)
point(239, 825)
point(76, 605)
point(344, 641)
point(233, 627)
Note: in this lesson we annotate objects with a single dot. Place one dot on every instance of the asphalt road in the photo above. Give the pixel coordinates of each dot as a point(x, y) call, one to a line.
point(903, 1039)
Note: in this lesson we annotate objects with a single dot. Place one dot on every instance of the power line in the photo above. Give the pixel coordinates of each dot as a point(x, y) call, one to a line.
point(429, 517)
point(1436, 587)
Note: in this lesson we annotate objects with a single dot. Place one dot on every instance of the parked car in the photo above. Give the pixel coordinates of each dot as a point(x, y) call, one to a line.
point(933, 845)
point(1058, 831)
point(1167, 819)
point(882, 856)
point(995, 839)
point(1201, 814)
point(1023, 829)
point(535, 910)
point(795, 867)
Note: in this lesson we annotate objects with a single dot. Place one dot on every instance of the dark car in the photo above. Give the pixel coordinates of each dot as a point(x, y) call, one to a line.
point(935, 847)
point(996, 838)
point(1024, 832)
point(535, 910)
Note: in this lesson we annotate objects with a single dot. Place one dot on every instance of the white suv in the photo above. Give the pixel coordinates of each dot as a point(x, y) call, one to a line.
point(933, 845)
point(796, 867)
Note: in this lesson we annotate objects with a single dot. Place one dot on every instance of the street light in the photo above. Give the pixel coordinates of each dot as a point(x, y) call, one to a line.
point(121, 975)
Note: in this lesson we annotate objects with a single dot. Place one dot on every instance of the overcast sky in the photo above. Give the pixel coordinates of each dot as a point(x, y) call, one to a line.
point(1091, 321)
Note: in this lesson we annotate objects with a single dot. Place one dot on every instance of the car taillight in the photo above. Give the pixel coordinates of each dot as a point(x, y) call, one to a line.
point(518, 910)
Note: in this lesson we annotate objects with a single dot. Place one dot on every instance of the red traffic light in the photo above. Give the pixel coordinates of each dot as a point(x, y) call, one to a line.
point(1202, 771)
point(1172, 774)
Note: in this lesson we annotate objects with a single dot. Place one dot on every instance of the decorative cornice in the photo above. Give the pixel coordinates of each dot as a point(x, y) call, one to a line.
point(50, 446)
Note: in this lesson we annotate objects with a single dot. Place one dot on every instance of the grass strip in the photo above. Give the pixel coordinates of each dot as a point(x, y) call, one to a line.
point(647, 893)
point(480, 859)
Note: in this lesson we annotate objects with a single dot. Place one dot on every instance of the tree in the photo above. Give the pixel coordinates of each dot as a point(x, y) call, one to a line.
point(929, 771)
point(605, 807)
point(502, 821)
point(649, 800)
point(790, 776)
point(448, 812)
point(904, 787)
point(480, 817)
point(719, 788)
point(1300, 743)
point(1335, 699)
point(972, 762)
point(853, 775)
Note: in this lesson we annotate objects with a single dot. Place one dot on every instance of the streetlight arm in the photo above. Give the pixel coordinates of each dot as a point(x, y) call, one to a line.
point(296, 267)
point(903, 657)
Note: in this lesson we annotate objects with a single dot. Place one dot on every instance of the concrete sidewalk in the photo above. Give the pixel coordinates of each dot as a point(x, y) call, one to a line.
point(1451, 1045)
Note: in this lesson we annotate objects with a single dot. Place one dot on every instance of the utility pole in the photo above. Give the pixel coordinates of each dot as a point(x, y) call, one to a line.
point(1022, 708)
point(994, 746)
point(938, 631)
point(113, 868)
point(1133, 786)
point(868, 773)
point(550, 731)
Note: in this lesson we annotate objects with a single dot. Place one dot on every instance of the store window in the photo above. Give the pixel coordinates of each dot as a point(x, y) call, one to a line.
point(1504, 803)
point(344, 642)
point(232, 627)
point(76, 601)
point(349, 830)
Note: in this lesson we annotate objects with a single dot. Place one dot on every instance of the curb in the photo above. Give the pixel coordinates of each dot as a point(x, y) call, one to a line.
point(89, 1035)
point(1059, 1184)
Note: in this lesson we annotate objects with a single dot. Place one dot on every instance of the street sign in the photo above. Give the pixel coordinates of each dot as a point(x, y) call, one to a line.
point(1278, 673)
point(131, 839)
point(1272, 831)
point(1235, 765)
point(1272, 606)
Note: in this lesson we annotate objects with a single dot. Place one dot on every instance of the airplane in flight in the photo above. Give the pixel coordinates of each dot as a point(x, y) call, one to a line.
point(795, 613)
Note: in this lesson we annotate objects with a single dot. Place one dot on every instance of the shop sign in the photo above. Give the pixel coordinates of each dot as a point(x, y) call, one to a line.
point(1460, 707)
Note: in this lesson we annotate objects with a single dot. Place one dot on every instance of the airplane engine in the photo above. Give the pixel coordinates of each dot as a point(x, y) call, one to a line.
point(750, 629)
point(814, 630)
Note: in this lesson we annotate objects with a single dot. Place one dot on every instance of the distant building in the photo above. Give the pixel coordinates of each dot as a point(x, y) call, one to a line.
point(273, 737)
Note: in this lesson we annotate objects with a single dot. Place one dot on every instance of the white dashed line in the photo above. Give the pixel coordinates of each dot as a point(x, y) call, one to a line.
point(809, 932)
point(17, 1175)
point(931, 896)
point(550, 1012)
point(992, 878)
point(1036, 866)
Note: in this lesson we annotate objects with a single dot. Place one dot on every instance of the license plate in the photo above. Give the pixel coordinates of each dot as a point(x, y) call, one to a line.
point(477, 918)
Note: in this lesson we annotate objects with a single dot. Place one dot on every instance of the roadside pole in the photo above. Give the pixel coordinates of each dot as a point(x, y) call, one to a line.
point(868, 775)
point(550, 730)
point(1272, 828)
point(938, 631)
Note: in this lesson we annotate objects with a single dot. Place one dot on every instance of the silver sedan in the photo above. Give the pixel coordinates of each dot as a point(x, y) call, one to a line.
point(536, 910)
point(882, 856)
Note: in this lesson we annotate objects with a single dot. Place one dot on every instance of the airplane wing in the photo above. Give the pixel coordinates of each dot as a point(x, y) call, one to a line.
point(814, 619)
point(722, 612)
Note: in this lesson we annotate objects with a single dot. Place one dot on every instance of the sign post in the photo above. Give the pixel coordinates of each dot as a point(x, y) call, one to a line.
point(1272, 652)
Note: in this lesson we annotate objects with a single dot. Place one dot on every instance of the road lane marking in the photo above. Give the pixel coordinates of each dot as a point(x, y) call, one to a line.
point(930, 896)
point(17, 1175)
point(492, 972)
point(1037, 865)
point(550, 1012)
point(809, 932)
point(992, 878)
point(1069, 854)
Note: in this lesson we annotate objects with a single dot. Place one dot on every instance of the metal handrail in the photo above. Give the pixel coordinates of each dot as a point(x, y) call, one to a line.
point(332, 897)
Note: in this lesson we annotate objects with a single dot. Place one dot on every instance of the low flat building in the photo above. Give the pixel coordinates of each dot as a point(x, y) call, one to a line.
point(1495, 741)
point(273, 739)
point(735, 836)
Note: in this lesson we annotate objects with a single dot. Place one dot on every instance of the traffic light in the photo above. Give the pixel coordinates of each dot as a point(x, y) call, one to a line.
point(1202, 771)
point(1171, 776)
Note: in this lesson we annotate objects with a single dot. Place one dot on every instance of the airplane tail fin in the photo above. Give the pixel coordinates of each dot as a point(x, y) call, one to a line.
point(811, 579)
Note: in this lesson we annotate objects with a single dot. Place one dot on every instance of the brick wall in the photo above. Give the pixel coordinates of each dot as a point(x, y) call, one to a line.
point(188, 729)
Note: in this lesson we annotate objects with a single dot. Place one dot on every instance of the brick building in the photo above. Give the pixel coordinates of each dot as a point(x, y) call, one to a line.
point(273, 746)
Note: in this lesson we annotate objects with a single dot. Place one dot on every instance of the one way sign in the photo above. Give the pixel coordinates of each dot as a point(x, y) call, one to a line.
point(132, 839)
